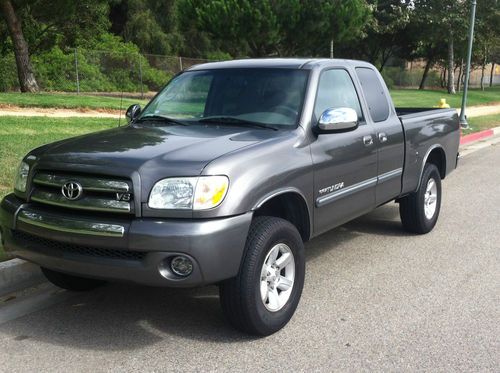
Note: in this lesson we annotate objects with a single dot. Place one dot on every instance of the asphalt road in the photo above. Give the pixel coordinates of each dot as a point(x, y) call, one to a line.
point(375, 298)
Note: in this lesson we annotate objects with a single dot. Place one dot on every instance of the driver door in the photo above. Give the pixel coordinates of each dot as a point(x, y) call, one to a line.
point(345, 164)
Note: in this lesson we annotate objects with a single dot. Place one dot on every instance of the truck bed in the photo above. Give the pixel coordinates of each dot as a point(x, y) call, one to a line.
point(424, 130)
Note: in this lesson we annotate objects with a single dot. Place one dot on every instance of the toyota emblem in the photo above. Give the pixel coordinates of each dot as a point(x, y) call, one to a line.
point(72, 190)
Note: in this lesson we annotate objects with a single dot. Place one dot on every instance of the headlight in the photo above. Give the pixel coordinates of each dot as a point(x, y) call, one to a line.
point(22, 177)
point(197, 193)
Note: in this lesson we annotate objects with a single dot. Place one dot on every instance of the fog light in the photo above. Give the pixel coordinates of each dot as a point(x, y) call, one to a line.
point(181, 266)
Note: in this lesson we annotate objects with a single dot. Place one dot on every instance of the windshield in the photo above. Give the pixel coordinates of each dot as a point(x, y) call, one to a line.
point(236, 96)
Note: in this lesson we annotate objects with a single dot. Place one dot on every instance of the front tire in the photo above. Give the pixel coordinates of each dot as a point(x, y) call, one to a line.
point(419, 211)
point(69, 282)
point(264, 295)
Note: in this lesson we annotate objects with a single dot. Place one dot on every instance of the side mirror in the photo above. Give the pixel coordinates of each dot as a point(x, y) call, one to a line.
point(337, 120)
point(133, 112)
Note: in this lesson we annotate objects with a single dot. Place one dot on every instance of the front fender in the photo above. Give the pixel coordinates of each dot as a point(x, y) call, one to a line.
point(259, 172)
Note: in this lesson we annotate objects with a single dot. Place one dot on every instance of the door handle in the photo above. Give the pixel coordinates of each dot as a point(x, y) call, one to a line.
point(367, 140)
point(382, 137)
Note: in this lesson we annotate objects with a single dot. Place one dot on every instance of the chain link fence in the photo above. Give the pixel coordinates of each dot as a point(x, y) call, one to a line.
point(99, 72)
point(410, 76)
point(112, 73)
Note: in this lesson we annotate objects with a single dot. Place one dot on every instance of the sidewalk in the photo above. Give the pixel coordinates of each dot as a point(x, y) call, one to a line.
point(58, 113)
point(479, 111)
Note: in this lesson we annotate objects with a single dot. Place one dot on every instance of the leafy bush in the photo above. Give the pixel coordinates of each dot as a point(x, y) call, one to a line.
point(219, 56)
point(55, 70)
point(154, 79)
point(122, 64)
point(8, 73)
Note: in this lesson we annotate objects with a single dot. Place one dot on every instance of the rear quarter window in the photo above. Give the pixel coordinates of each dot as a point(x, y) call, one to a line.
point(378, 104)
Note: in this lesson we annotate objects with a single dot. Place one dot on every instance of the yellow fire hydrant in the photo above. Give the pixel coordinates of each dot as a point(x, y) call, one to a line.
point(443, 104)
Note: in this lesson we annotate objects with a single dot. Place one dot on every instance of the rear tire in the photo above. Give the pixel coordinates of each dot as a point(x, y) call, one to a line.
point(264, 295)
point(69, 282)
point(419, 211)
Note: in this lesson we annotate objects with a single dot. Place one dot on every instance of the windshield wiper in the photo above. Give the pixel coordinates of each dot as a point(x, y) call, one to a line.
point(234, 120)
point(161, 118)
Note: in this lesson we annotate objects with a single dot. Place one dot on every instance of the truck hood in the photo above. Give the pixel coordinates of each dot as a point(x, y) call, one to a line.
point(154, 152)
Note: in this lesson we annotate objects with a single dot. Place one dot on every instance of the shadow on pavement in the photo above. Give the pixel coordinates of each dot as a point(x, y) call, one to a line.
point(127, 317)
point(382, 221)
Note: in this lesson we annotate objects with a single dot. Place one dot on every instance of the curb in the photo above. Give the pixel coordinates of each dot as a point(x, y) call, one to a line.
point(467, 139)
point(17, 274)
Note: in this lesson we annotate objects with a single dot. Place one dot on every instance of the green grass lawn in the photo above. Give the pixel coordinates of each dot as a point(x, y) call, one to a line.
point(428, 98)
point(485, 122)
point(67, 101)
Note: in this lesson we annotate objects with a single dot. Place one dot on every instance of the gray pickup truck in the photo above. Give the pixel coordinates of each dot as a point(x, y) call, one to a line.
point(223, 177)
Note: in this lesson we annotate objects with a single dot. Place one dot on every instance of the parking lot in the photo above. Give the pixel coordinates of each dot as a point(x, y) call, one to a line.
point(375, 298)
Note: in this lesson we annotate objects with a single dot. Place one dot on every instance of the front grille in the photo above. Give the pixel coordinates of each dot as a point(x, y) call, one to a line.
point(49, 246)
point(83, 192)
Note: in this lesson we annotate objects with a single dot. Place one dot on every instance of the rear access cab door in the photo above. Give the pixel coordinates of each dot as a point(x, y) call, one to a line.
point(389, 135)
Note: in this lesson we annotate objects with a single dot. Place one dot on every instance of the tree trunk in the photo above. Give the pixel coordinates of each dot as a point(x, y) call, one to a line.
point(451, 66)
point(386, 54)
point(426, 72)
point(491, 73)
point(27, 80)
point(483, 67)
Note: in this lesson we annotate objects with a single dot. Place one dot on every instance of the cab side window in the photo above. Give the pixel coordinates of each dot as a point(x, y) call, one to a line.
point(378, 105)
point(336, 90)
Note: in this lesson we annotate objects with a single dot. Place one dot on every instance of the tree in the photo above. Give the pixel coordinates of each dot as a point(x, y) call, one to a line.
point(240, 27)
point(308, 26)
point(487, 35)
point(386, 33)
point(150, 24)
point(261, 28)
point(36, 26)
point(442, 21)
point(27, 80)
point(422, 43)
point(65, 23)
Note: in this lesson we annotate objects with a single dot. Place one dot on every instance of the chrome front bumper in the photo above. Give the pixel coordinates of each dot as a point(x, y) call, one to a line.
point(69, 225)
point(124, 249)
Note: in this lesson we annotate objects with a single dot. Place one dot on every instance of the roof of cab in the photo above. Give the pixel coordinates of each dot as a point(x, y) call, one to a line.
point(284, 63)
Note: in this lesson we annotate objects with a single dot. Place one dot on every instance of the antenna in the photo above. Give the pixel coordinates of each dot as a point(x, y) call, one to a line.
point(120, 113)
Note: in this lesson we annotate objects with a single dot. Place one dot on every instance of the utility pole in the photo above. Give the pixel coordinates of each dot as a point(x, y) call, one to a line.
point(331, 48)
point(76, 72)
point(463, 119)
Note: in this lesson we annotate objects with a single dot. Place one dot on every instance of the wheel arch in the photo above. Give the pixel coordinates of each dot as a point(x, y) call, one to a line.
point(437, 156)
point(289, 204)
